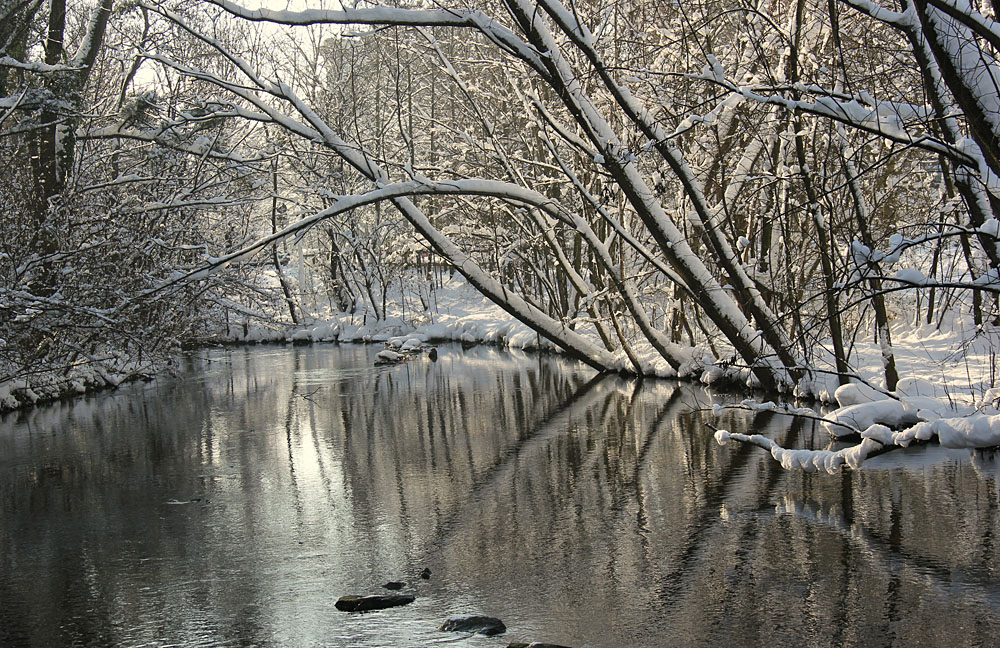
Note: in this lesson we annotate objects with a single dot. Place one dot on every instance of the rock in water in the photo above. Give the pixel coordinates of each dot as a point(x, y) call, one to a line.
point(483, 625)
point(373, 602)
point(394, 585)
point(433, 354)
point(387, 356)
point(534, 644)
point(411, 344)
point(425, 574)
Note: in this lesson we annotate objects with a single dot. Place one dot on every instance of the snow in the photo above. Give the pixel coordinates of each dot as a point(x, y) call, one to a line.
point(7, 399)
point(830, 461)
point(981, 431)
point(943, 396)
point(853, 419)
point(34, 66)
point(946, 395)
point(461, 314)
point(387, 355)
point(717, 71)
point(978, 73)
point(105, 370)
point(991, 398)
point(911, 276)
point(855, 393)
point(411, 343)
point(989, 279)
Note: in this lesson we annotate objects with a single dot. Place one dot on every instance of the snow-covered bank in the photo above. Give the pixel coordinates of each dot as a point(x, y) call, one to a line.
point(46, 386)
point(954, 365)
point(457, 313)
point(946, 391)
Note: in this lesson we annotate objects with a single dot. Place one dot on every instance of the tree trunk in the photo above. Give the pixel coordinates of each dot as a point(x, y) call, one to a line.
point(285, 290)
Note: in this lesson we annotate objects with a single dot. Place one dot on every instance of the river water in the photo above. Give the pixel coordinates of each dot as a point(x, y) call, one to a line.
point(232, 505)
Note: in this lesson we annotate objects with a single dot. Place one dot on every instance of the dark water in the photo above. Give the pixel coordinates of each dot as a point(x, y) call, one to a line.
point(232, 506)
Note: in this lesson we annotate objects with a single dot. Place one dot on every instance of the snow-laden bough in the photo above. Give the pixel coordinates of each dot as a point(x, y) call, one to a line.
point(832, 461)
point(874, 422)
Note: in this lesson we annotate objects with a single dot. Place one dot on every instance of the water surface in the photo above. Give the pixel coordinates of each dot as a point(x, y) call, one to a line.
point(232, 505)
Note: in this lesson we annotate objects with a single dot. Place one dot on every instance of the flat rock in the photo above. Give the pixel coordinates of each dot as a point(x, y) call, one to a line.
point(483, 625)
point(373, 602)
point(534, 644)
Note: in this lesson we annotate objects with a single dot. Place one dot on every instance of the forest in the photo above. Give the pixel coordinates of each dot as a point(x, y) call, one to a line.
point(745, 191)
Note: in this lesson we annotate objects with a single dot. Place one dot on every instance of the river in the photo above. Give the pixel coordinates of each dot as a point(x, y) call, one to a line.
point(233, 503)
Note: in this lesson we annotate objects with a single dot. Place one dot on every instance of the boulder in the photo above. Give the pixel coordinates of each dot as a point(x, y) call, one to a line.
point(483, 625)
point(373, 602)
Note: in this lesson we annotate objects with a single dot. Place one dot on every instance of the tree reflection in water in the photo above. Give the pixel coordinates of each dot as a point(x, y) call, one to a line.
point(232, 505)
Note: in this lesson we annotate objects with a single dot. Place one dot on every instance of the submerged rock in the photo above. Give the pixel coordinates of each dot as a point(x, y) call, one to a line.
point(425, 574)
point(483, 625)
point(372, 602)
point(394, 585)
point(534, 644)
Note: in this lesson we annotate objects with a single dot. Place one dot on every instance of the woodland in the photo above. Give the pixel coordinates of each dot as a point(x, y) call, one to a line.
point(744, 189)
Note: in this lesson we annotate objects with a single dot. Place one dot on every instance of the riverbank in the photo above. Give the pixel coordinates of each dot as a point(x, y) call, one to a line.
point(954, 365)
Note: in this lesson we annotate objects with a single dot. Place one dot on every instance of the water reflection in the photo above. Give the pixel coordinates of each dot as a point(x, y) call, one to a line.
point(232, 505)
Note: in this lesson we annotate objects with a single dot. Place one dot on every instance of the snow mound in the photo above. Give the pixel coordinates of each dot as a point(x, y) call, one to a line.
point(958, 432)
point(854, 393)
point(854, 419)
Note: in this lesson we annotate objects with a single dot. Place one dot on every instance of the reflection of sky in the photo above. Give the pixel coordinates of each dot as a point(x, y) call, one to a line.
point(233, 504)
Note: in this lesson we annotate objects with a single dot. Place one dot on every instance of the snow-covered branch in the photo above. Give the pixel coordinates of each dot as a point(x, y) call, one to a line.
point(35, 66)
point(831, 461)
point(483, 23)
